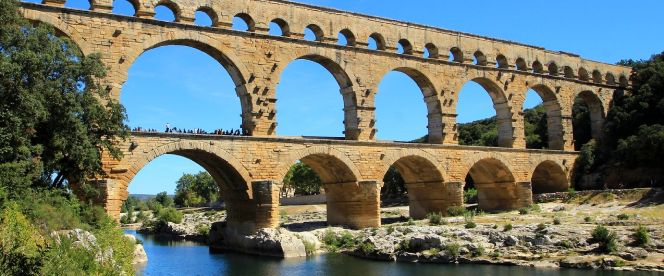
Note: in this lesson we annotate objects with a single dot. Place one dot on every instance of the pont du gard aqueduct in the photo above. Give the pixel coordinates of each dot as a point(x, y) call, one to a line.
point(250, 169)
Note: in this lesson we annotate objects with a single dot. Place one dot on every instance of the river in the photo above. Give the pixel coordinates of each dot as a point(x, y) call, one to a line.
point(189, 258)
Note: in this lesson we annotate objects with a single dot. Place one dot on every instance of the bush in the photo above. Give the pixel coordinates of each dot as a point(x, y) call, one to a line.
point(453, 250)
point(410, 222)
point(479, 251)
point(334, 242)
point(367, 248)
point(455, 211)
point(20, 243)
point(641, 236)
point(203, 229)
point(524, 211)
point(588, 219)
point(435, 218)
point(470, 196)
point(540, 227)
point(169, 215)
point(623, 216)
point(508, 227)
point(556, 221)
point(470, 225)
point(606, 239)
point(390, 229)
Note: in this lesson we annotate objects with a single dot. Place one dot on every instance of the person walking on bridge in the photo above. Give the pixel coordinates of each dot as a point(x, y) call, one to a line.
point(168, 127)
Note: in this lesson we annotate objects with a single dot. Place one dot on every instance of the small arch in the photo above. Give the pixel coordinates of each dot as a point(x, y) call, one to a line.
point(404, 47)
point(549, 177)
point(314, 33)
point(430, 51)
point(480, 58)
point(279, 27)
point(583, 74)
point(331, 165)
point(623, 81)
point(501, 106)
point(501, 62)
point(244, 22)
point(597, 76)
point(78, 4)
point(568, 72)
point(521, 64)
point(553, 69)
point(589, 103)
point(456, 55)
point(537, 67)
point(167, 10)
point(125, 7)
point(376, 42)
point(346, 38)
point(554, 123)
point(610, 79)
point(203, 12)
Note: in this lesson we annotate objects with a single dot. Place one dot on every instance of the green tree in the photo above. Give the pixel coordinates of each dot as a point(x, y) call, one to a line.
point(394, 186)
point(303, 179)
point(55, 114)
point(164, 200)
point(196, 190)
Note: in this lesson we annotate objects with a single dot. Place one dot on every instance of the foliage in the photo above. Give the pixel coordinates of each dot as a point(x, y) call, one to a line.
point(203, 229)
point(335, 242)
point(169, 214)
point(367, 248)
point(623, 216)
point(470, 224)
point(556, 221)
point(196, 190)
point(165, 200)
point(479, 251)
point(508, 227)
point(303, 179)
point(537, 136)
point(455, 211)
point(470, 195)
point(607, 240)
point(56, 114)
point(309, 248)
point(581, 124)
point(435, 218)
point(394, 185)
point(20, 243)
point(453, 250)
point(641, 236)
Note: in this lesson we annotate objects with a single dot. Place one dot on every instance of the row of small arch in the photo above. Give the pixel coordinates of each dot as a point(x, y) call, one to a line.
point(377, 42)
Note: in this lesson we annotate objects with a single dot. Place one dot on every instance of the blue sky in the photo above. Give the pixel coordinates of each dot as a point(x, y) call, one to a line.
point(187, 88)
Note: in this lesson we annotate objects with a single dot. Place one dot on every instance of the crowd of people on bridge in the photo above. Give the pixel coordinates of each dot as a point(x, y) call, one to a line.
point(196, 131)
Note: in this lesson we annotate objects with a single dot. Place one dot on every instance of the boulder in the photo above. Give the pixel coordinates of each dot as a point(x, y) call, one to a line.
point(511, 241)
point(266, 242)
point(139, 255)
point(420, 242)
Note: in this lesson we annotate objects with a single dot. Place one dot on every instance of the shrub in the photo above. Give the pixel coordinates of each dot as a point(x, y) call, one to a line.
point(508, 227)
point(367, 248)
point(587, 219)
point(469, 216)
point(641, 236)
point(410, 222)
point(346, 240)
point(20, 243)
point(455, 211)
point(170, 214)
point(470, 224)
point(329, 238)
point(435, 218)
point(541, 227)
point(390, 229)
point(524, 211)
point(479, 251)
point(470, 196)
point(606, 239)
point(453, 250)
point(203, 229)
point(556, 221)
point(334, 242)
point(623, 216)
point(309, 248)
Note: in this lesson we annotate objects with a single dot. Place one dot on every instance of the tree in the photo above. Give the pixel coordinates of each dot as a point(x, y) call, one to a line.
point(303, 179)
point(196, 190)
point(163, 199)
point(55, 114)
point(393, 184)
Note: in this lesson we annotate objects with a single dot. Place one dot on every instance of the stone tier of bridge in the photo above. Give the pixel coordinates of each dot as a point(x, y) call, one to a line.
point(255, 61)
point(250, 170)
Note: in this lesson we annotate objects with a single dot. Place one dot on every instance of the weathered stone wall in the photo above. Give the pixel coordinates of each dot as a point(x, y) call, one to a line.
point(255, 61)
point(250, 170)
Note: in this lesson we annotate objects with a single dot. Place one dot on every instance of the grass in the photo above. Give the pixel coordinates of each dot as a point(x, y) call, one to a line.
point(508, 227)
point(435, 218)
point(455, 211)
point(556, 221)
point(623, 216)
point(453, 250)
point(641, 237)
point(470, 224)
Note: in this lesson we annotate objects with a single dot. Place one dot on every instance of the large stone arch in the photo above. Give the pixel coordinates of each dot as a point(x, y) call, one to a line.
point(496, 185)
point(430, 98)
point(342, 75)
point(350, 202)
point(425, 183)
point(501, 104)
point(61, 28)
point(321, 155)
point(549, 177)
point(554, 117)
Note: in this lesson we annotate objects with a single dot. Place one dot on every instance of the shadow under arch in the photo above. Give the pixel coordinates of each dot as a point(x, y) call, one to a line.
point(502, 108)
point(341, 76)
point(554, 118)
point(430, 98)
point(496, 186)
point(350, 202)
point(595, 110)
point(549, 177)
point(426, 187)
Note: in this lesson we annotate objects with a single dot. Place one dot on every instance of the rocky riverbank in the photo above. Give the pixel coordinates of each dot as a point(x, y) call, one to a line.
point(552, 234)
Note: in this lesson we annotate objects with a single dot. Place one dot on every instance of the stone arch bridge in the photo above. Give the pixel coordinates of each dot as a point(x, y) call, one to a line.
point(250, 168)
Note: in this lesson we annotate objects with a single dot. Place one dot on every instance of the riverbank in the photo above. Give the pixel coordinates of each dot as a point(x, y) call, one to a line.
point(552, 234)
